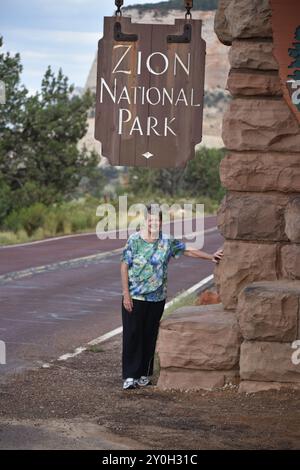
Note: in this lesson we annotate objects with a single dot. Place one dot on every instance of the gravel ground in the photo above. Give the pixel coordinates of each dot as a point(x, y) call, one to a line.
point(86, 393)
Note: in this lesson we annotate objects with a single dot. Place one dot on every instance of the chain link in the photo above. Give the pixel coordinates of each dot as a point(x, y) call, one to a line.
point(119, 4)
point(188, 6)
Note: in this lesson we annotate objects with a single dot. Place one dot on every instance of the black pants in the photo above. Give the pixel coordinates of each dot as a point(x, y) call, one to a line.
point(140, 331)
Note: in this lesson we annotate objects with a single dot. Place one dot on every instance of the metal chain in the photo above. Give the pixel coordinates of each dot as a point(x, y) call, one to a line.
point(188, 6)
point(119, 4)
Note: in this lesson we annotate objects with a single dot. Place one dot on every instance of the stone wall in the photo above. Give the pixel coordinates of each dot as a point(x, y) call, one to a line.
point(260, 214)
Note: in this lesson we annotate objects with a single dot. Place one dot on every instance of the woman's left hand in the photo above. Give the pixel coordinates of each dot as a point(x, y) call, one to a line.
point(217, 256)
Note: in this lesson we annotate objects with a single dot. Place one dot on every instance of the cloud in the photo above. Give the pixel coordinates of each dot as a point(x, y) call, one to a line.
point(41, 36)
point(73, 51)
point(51, 45)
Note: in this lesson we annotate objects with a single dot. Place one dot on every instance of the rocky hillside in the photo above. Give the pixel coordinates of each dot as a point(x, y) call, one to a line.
point(165, 6)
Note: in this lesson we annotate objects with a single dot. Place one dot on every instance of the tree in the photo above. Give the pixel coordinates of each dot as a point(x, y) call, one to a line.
point(54, 122)
point(202, 174)
point(11, 119)
point(151, 180)
point(199, 177)
point(39, 154)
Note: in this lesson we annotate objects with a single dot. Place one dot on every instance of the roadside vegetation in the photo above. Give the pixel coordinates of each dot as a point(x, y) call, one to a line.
point(189, 299)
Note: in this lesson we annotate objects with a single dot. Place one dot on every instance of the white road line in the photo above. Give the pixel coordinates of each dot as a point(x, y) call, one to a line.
point(119, 330)
point(94, 342)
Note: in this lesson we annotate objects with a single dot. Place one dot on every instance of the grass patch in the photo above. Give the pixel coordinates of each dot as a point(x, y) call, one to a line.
point(95, 349)
point(188, 299)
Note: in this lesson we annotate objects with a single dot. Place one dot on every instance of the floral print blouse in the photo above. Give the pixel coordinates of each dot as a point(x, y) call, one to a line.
point(148, 264)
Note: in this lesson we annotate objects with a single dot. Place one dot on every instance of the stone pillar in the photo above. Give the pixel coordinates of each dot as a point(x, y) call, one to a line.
point(260, 214)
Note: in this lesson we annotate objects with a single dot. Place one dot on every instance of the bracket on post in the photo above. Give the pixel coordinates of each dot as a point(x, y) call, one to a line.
point(120, 36)
point(185, 37)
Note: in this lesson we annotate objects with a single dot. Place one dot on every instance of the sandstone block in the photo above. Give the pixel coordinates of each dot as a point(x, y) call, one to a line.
point(268, 310)
point(193, 379)
point(261, 171)
point(202, 337)
point(290, 260)
point(242, 19)
point(243, 262)
point(221, 23)
point(268, 362)
point(260, 124)
point(252, 216)
point(256, 55)
point(292, 219)
point(251, 84)
point(251, 386)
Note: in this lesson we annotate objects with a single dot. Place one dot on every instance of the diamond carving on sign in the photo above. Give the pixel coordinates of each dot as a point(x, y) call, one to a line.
point(148, 155)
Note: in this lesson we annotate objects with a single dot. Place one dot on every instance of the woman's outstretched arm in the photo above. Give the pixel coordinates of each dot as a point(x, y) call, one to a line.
point(215, 257)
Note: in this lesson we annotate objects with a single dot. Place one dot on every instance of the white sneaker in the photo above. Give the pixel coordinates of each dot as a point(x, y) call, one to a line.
point(143, 381)
point(129, 383)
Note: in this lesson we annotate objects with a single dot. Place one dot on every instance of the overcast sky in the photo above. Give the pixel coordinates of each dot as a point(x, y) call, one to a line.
point(60, 33)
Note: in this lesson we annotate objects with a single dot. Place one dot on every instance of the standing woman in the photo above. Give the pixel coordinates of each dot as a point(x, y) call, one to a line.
point(144, 264)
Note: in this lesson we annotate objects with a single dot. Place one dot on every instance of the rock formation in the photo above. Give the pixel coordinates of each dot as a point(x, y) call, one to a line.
point(216, 72)
point(260, 214)
point(199, 347)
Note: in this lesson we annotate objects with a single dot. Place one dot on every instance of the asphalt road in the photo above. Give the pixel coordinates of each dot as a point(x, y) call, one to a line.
point(61, 293)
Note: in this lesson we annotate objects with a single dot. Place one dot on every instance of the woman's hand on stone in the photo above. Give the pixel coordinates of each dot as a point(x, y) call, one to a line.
point(217, 256)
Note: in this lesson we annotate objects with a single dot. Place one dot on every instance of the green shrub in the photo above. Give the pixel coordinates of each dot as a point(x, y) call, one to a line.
point(8, 238)
point(51, 224)
point(29, 218)
point(22, 236)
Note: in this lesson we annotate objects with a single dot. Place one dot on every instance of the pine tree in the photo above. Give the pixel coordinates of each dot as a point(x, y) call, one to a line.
point(11, 127)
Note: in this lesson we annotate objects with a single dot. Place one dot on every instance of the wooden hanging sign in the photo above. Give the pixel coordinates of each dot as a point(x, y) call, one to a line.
point(286, 37)
point(150, 86)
